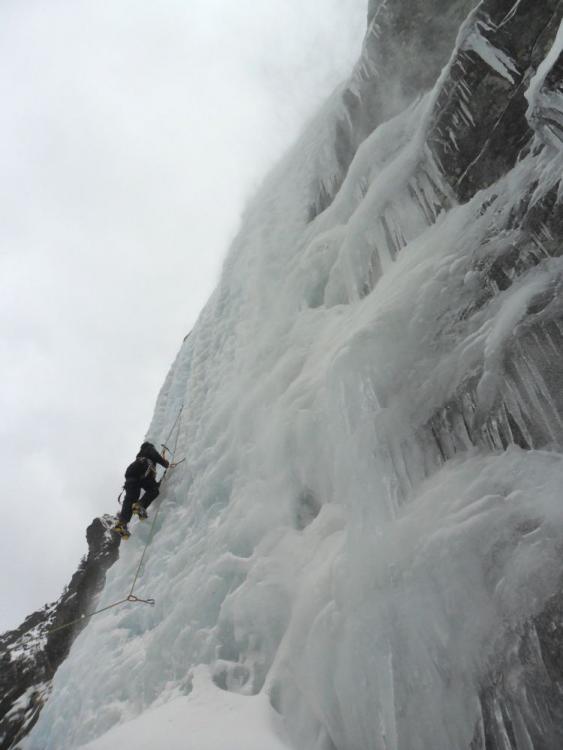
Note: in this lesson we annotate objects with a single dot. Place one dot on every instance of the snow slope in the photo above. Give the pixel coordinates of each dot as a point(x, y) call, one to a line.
point(368, 525)
point(215, 719)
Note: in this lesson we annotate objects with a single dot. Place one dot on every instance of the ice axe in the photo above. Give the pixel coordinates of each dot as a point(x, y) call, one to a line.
point(174, 463)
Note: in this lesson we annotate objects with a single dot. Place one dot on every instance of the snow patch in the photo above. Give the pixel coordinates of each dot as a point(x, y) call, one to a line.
point(207, 719)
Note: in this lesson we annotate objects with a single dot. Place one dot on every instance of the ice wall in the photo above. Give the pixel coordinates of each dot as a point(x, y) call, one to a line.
point(368, 525)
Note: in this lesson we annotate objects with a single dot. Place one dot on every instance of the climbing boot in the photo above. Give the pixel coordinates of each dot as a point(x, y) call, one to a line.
point(140, 511)
point(122, 530)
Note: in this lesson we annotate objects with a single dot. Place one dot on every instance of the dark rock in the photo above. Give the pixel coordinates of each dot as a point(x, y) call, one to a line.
point(31, 654)
point(480, 127)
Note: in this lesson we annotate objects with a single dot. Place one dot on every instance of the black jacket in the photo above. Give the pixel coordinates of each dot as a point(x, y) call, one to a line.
point(144, 464)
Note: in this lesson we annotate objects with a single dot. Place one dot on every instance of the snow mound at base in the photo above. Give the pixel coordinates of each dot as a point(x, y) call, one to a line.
point(207, 719)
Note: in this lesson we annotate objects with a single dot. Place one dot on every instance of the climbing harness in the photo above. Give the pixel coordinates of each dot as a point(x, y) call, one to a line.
point(131, 596)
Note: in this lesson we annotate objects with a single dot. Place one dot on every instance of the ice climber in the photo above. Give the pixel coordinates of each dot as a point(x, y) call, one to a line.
point(140, 475)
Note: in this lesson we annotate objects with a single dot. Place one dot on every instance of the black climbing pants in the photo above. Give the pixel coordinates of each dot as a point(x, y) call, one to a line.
point(132, 492)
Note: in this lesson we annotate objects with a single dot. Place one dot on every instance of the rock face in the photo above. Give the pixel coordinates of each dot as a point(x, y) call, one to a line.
point(31, 654)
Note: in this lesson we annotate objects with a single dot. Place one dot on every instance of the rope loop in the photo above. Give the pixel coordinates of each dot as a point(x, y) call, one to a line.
point(133, 598)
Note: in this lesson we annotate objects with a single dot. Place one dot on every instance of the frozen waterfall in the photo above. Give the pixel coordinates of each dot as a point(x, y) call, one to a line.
point(366, 535)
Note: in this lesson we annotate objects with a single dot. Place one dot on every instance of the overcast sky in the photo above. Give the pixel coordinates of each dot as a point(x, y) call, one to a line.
point(132, 133)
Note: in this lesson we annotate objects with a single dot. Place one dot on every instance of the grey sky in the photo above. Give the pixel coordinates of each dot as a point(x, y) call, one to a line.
point(132, 134)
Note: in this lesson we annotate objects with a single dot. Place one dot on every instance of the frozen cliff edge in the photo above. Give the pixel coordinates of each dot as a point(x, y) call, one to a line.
point(368, 527)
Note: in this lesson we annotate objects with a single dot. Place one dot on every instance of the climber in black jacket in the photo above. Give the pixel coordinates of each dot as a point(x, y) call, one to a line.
point(140, 475)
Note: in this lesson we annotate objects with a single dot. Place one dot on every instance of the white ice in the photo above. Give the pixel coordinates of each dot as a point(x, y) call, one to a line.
point(538, 79)
point(498, 60)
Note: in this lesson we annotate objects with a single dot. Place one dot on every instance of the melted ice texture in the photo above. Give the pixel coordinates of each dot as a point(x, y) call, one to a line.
point(287, 558)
